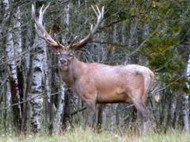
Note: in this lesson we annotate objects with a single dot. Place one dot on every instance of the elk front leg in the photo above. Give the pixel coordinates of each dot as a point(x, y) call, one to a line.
point(91, 114)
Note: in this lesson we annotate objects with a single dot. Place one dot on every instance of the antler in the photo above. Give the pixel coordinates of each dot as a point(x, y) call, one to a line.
point(40, 29)
point(100, 15)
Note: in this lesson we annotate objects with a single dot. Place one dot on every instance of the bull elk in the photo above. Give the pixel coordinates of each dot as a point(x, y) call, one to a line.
point(97, 83)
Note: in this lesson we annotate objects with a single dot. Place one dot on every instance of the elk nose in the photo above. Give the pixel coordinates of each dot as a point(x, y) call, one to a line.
point(63, 61)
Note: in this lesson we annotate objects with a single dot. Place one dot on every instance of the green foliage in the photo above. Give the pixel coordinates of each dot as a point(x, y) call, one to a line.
point(169, 19)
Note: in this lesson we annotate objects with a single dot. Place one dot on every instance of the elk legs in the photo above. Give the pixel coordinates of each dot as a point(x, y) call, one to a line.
point(145, 113)
point(91, 114)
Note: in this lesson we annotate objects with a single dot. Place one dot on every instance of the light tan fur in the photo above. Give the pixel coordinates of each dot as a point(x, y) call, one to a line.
point(108, 84)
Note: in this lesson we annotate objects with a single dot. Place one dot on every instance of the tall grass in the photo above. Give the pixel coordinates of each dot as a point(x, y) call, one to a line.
point(87, 135)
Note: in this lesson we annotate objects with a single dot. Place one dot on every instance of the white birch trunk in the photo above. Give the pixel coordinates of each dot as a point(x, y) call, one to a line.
point(37, 86)
point(6, 114)
point(17, 36)
point(186, 100)
point(188, 70)
point(12, 52)
point(67, 21)
point(57, 124)
point(186, 112)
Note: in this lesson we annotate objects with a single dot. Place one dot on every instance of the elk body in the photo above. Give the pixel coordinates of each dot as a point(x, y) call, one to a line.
point(97, 83)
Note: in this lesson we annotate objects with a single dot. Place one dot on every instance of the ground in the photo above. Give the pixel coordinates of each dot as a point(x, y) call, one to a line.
point(81, 135)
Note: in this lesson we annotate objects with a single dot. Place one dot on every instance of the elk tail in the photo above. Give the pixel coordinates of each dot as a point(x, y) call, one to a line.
point(149, 82)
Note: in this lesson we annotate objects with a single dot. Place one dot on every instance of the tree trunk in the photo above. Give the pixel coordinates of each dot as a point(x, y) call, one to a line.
point(13, 50)
point(57, 124)
point(185, 53)
point(37, 85)
point(185, 109)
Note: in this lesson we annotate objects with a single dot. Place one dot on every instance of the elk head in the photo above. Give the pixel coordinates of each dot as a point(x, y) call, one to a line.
point(66, 53)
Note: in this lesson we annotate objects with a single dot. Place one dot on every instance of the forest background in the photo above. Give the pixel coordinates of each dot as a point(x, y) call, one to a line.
point(153, 33)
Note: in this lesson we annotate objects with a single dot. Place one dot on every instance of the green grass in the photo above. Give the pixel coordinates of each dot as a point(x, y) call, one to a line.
point(81, 135)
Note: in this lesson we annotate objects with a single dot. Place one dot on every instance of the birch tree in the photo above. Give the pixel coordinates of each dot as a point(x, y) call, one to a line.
point(38, 63)
point(13, 51)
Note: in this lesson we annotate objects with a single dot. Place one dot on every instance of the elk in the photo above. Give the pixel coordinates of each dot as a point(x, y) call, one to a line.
point(97, 83)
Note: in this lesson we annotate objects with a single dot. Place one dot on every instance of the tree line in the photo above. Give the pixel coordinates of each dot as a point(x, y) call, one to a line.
point(152, 33)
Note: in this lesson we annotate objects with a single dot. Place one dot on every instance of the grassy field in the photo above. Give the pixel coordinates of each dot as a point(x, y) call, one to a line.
point(81, 135)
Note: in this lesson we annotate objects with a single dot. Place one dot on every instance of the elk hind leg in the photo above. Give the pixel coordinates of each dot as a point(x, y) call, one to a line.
point(140, 106)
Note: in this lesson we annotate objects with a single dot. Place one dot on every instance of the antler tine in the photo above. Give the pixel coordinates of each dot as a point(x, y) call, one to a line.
point(100, 15)
point(33, 12)
point(42, 12)
point(94, 10)
point(73, 41)
point(40, 29)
